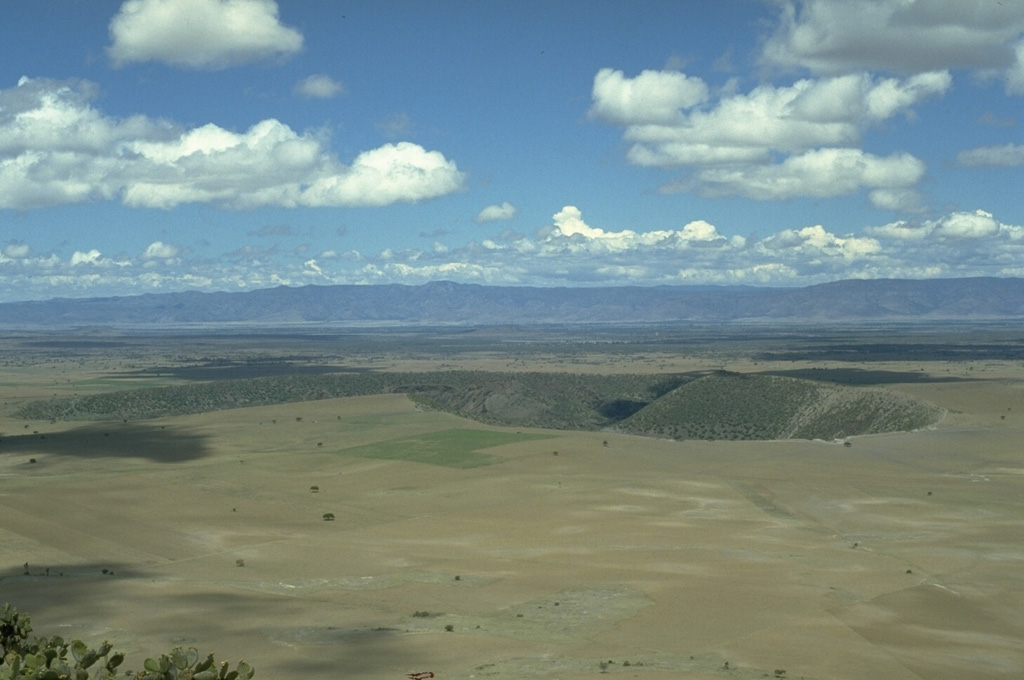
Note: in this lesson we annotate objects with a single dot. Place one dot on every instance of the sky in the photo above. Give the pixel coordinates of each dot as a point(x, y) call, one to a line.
point(151, 146)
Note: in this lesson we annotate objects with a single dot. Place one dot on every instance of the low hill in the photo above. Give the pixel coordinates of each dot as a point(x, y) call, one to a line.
point(678, 406)
point(549, 400)
point(754, 406)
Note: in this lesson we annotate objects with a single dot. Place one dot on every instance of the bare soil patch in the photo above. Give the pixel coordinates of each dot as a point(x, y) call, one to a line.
point(571, 555)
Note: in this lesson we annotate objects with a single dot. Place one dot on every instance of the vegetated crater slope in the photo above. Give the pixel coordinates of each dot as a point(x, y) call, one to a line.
point(564, 401)
point(727, 405)
point(721, 405)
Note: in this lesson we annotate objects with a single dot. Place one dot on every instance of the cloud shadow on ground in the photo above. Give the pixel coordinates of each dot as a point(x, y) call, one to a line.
point(159, 444)
point(863, 376)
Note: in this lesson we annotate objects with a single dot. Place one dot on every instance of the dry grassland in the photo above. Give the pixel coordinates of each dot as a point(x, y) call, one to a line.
point(899, 557)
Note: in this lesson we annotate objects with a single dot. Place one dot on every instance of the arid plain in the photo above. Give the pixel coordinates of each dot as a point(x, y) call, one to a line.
point(538, 553)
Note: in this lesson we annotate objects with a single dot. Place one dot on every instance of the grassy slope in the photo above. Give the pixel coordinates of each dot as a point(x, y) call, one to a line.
point(718, 406)
point(736, 406)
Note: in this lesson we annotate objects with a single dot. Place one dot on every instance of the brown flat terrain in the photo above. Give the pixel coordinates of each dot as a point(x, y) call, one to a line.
point(898, 557)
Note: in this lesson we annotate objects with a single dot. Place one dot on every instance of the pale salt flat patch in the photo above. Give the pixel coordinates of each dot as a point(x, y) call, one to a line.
point(671, 524)
point(330, 635)
point(1004, 557)
point(372, 582)
point(527, 553)
point(948, 590)
point(649, 493)
point(621, 508)
point(571, 615)
point(381, 581)
point(570, 530)
point(687, 568)
point(755, 556)
point(710, 507)
point(285, 587)
point(1007, 471)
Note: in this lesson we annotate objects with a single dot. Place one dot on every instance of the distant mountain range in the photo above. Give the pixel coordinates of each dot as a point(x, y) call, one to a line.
point(444, 302)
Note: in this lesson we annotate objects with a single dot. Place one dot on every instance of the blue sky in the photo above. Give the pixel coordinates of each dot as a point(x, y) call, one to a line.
point(165, 145)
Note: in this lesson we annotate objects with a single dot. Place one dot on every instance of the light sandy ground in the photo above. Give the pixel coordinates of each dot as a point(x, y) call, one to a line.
point(898, 557)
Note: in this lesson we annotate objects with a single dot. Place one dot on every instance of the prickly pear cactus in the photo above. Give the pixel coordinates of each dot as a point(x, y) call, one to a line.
point(184, 664)
point(54, 659)
point(14, 629)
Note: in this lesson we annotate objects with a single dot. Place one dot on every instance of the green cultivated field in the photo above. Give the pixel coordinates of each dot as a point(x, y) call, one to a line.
point(457, 448)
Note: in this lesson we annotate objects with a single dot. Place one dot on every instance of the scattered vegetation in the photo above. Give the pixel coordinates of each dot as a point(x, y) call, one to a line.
point(554, 400)
point(53, 658)
point(720, 405)
point(727, 405)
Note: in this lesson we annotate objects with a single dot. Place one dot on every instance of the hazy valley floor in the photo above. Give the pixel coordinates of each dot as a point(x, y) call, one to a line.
point(898, 557)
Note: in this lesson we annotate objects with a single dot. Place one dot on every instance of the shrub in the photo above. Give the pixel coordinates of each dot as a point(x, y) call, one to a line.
point(53, 658)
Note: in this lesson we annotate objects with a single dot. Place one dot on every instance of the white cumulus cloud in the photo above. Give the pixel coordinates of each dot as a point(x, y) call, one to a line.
point(158, 250)
point(908, 36)
point(569, 221)
point(91, 257)
point(568, 251)
point(810, 113)
point(200, 33)
point(651, 97)
point(778, 142)
point(16, 250)
point(319, 86)
point(821, 173)
point(1007, 155)
point(570, 233)
point(956, 226)
point(389, 174)
point(816, 241)
point(55, 148)
point(505, 211)
point(1015, 74)
point(978, 224)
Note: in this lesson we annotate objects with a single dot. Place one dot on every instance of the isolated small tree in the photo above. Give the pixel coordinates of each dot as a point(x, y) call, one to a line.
point(328, 516)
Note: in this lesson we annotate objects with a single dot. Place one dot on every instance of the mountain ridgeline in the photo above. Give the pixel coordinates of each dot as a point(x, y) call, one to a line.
point(453, 303)
point(717, 405)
